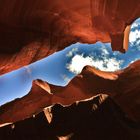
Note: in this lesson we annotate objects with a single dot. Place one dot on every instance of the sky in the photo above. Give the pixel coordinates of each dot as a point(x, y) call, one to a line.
point(60, 67)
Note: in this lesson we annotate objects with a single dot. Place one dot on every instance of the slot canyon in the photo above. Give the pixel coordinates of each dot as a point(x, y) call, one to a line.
point(95, 104)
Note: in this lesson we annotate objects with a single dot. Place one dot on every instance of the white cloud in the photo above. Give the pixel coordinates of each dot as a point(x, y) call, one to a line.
point(133, 36)
point(71, 52)
point(79, 61)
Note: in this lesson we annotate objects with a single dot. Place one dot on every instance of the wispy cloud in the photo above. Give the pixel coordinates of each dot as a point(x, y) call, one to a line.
point(65, 78)
point(71, 52)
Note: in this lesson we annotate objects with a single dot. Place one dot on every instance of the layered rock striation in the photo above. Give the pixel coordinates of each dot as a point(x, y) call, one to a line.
point(39, 28)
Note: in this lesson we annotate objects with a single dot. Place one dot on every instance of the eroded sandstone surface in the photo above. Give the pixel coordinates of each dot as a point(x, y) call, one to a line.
point(32, 29)
point(39, 28)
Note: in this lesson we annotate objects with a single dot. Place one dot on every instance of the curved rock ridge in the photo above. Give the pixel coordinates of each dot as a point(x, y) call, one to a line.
point(50, 26)
point(124, 91)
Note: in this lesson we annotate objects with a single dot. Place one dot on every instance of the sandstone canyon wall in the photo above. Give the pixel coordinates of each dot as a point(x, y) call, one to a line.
point(50, 26)
point(31, 30)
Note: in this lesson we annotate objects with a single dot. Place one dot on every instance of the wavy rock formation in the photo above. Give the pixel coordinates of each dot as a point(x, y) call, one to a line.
point(39, 28)
point(123, 89)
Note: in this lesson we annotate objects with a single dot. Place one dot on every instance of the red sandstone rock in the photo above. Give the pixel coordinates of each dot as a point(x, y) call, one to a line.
point(78, 121)
point(39, 28)
point(19, 109)
point(123, 89)
point(33, 29)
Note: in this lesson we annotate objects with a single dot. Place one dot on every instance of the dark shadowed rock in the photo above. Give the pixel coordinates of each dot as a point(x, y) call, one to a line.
point(79, 121)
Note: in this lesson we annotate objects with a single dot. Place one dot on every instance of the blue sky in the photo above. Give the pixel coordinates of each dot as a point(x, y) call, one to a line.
point(59, 68)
